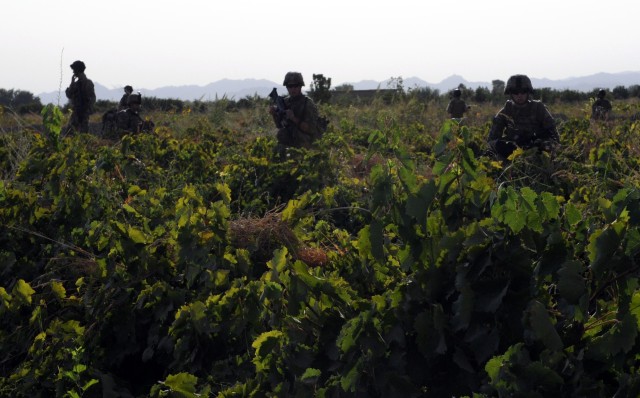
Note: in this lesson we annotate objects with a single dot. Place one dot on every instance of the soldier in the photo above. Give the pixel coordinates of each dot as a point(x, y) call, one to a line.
point(601, 107)
point(298, 125)
point(125, 97)
point(522, 122)
point(82, 98)
point(457, 107)
point(129, 119)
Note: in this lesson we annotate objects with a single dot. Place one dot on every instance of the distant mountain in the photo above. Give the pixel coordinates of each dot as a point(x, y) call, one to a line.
point(231, 89)
point(238, 89)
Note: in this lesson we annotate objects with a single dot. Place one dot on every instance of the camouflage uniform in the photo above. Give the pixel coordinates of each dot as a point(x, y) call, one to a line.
point(306, 130)
point(306, 111)
point(117, 123)
point(82, 98)
point(129, 120)
point(456, 108)
point(523, 125)
point(124, 101)
point(601, 108)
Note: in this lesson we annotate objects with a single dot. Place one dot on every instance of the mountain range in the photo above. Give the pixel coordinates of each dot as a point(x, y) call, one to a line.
point(238, 89)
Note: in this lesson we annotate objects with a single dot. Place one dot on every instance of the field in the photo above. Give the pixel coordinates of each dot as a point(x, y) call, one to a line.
point(392, 259)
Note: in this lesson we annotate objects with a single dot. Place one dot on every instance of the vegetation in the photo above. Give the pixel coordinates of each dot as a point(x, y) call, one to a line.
point(393, 259)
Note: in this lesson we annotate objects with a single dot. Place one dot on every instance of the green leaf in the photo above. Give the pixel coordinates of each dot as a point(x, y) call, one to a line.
point(408, 178)
point(495, 364)
point(267, 342)
point(551, 205)
point(529, 196)
point(129, 209)
point(542, 326)
point(294, 207)
point(311, 376)
point(635, 307)
point(58, 289)
point(516, 220)
point(632, 245)
point(22, 291)
point(349, 333)
point(602, 246)
point(182, 383)
point(572, 214)
point(377, 238)
point(350, 380)
point(571, 284)
point(463, 308)
point(136, 235)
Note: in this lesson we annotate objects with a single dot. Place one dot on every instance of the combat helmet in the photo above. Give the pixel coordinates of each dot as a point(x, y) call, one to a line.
point(294, 78)
point(601, 93)
point(457, 93)
point(518, 83)
point(134, 99)
point(78, 66)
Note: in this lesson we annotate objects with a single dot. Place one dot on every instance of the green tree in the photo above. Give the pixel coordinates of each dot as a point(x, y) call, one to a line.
point(344, 87)
point(320, 88)
point(497, 90)
point(482, 94)
point(20, 101)
point(634, 90)
point(620, 92)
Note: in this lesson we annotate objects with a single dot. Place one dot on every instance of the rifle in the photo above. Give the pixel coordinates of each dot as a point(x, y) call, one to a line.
point(281, 109)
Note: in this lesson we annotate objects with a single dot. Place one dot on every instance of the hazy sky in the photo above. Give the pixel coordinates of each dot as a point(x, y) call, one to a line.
point(156, 43)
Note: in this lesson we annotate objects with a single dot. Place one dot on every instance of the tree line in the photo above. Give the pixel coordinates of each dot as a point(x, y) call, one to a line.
point(23, 102)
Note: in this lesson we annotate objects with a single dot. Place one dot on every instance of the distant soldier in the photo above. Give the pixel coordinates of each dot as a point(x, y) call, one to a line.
point(522, 122)
point(298, 122)
point(129, 119)
point(117, 123)
point(125, 98)
point(601, 107)
point(82, 98)
point(457, 107)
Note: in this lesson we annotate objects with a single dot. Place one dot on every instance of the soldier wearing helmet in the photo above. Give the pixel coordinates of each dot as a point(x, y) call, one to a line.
point(601, 107)
point(522, 122)
point(457, 107)
point(125, 98)
point(300, 125)
point(129, 119)
point(82, 98)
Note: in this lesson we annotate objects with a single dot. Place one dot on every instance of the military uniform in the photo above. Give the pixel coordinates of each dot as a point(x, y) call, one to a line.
point(302, 128)
point(456, 108)
point(306, 111)
point(600, 109)
point(522, 126)
point(129, 120)
point(124, 101)
point(521, 122)
point(82, 97)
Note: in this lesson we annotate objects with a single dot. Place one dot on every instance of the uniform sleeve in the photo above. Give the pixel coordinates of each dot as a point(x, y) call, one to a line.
point(310, 118)
point(90, 92)
point(549, 124)
point(498, 126)
point(70, 91)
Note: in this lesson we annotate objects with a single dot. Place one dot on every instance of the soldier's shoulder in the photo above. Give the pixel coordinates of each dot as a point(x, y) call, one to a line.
point(538, 105)
point(508, 106)
point(309, 100)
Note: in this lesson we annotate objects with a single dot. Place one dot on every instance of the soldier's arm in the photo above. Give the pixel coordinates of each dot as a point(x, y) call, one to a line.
point(549, 125)
point(308, 121)
point(497, 128)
